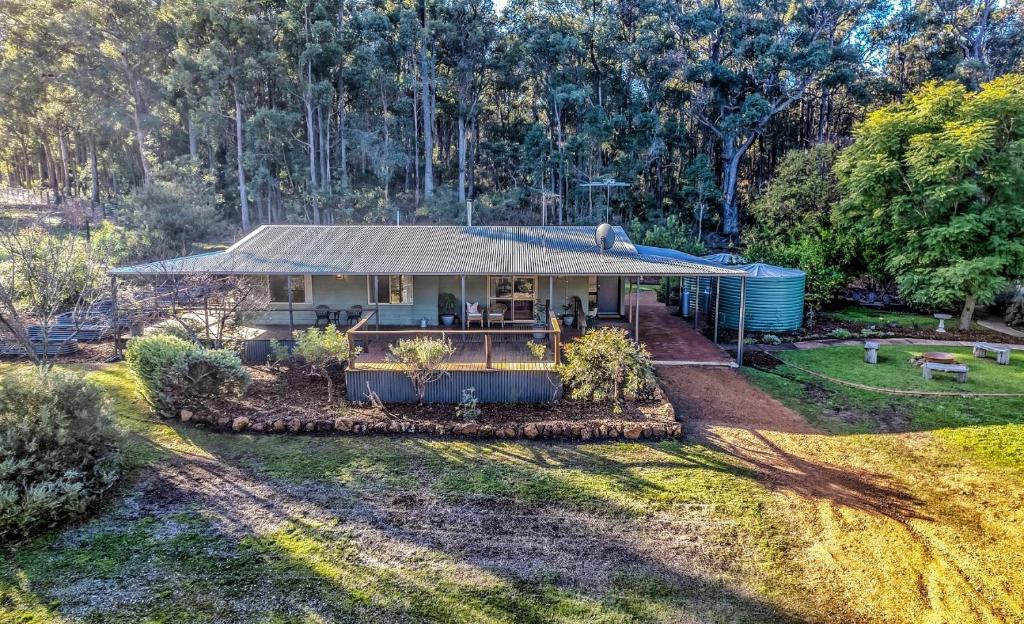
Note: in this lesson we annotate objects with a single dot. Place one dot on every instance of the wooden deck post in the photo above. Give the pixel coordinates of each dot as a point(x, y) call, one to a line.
point(462, 313)
point(487, 350)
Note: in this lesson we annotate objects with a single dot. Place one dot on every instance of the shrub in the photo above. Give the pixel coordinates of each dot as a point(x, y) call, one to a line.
point(1014, 314)
point(771, 339)
point(203, 374)
point(422, 358)
point(320, 350)
point(537, 349)
point(604, 364)
point(57, 447)
point(172, 372)
point(150, 358)
point(841, 334)
point(468, 409)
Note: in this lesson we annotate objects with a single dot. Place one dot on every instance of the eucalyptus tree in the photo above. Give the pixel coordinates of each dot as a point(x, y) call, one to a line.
point(750, 60)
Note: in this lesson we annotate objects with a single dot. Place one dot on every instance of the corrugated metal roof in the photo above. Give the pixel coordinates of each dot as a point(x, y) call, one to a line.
point(428, 250)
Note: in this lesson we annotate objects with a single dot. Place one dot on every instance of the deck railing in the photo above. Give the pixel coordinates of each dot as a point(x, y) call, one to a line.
point(465, 340)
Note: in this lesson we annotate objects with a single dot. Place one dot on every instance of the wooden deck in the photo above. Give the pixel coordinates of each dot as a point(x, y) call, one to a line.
point(507, 353)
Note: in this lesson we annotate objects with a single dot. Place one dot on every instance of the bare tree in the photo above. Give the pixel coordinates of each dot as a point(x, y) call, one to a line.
point(43, 276)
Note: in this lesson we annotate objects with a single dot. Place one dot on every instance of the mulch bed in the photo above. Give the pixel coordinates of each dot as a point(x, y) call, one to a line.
point(291, 401)
point(824, 327)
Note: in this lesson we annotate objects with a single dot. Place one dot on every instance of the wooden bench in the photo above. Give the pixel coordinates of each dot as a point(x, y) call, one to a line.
point(960, 370)
point(981, 349)
point(871, 352)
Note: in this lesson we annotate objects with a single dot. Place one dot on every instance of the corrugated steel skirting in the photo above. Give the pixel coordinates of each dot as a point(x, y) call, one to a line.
point(257, 351)
point(491, 386)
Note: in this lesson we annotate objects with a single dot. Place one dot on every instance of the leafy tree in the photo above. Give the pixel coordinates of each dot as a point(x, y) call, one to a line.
point(179, 209)
point(322, 349)
point(793, 223)
point(422, 359)
point(935, 192)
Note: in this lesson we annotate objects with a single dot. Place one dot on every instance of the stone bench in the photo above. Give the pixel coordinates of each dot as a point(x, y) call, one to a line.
point(960, 370)
point(871, 352)
point(981, 349)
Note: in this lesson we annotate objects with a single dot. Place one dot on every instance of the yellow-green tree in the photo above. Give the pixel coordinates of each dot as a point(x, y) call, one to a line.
point(934, 191)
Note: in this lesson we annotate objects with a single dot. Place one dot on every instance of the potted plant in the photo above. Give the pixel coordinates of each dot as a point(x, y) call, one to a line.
point(447, 306)
point(540, 321)
point(568, 317)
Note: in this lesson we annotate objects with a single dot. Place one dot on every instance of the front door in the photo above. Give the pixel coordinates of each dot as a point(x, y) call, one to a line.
point(608, 288)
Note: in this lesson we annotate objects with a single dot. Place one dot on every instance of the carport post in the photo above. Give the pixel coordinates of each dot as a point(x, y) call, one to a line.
point(718, 288)
point(743, 310)
point(462, 314)
point(696, 303)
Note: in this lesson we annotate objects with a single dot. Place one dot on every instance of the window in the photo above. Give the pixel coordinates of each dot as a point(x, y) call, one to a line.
point(518, 296)
point(279, 288)
point(391, 290)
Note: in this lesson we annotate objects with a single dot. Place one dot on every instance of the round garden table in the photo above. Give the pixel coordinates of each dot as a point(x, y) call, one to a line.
point(939, 357)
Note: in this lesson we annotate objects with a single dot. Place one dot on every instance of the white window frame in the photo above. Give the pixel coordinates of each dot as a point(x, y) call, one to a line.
point(307, 287)
point(370, 294)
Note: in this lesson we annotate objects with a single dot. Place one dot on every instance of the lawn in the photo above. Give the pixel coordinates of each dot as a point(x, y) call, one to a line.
point(724, 527)
point(895, 371)
point(870, 316)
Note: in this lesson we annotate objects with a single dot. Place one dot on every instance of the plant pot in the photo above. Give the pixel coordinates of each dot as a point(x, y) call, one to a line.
point(568, 320)
point(447, 319)
point(538, 332)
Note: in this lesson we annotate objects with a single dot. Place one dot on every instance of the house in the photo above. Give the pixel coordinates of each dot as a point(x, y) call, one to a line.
point(504, 279)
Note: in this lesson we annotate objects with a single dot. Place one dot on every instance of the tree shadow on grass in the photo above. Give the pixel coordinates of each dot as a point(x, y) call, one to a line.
point(222, 539)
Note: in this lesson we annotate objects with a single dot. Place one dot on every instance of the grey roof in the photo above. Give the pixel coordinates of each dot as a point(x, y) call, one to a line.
point(726, 258)
point(429, 250)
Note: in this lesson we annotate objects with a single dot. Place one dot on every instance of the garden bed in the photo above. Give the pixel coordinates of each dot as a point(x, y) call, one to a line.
point(293, 402)
point(831, 328)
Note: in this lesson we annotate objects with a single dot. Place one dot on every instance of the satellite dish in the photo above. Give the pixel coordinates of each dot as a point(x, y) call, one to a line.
point(605, 237)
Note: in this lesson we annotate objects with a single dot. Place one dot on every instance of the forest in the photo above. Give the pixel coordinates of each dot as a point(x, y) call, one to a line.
point(199, 119)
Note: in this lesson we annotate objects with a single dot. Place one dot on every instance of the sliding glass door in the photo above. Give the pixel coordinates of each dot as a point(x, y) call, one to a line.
point(517, 293)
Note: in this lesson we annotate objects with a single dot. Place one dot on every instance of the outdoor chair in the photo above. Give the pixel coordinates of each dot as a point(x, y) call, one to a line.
point(496, 314)
point(474, 314)
point(323, 314)
point(353, 314)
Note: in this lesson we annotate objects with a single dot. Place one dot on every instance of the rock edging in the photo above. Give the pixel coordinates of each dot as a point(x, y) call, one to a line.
point(556, 430)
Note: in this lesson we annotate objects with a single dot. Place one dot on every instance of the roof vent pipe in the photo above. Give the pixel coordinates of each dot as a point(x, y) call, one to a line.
point(469, 212)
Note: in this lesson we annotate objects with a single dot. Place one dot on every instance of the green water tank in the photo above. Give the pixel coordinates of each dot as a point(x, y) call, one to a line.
point(775, 298)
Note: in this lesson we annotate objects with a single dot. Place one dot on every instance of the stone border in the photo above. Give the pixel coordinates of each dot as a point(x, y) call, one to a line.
point(551, 430)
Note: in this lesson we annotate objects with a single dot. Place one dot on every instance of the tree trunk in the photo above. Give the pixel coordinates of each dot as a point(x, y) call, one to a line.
point(94, 178)
point(462, 159)
point(342, 145)
point(731, 166)
point(137, 110)
point(307, 100)
point(967, 314)
point(325, 147)
point(428, 113)
point(240, 148)
point(193, 140)
point(64, 170)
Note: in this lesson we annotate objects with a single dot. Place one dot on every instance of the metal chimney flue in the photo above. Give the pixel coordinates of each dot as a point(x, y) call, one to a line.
point(469, 212)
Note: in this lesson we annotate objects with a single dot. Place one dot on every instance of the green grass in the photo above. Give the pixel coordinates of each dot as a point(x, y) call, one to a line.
point(895, 371)
point(991, 429)
point(869, 316)
point(213, 527)
point(319, 558)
